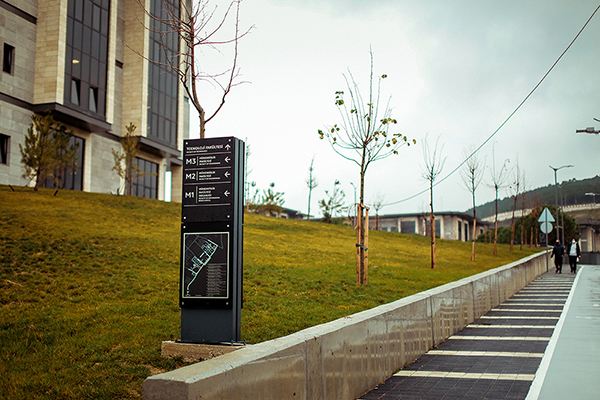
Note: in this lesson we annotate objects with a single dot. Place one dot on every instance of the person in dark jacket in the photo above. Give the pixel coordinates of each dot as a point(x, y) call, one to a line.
point(574, 253)
point(557, 252)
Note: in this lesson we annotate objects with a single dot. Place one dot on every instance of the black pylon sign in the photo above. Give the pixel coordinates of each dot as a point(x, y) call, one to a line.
point(210, 289)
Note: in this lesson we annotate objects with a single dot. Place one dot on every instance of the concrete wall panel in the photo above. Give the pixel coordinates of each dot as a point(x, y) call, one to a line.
point(345, 358)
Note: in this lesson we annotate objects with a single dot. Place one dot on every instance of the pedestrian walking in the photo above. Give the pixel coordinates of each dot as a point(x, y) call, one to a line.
point(557, 252)
point(574, 253)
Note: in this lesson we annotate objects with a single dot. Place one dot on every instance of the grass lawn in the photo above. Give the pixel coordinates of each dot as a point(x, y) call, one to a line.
point(89, 286)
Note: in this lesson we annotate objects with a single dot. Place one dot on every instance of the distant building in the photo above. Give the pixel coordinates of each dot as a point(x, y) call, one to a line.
point(286, 213)
point(448, 225)
point(87, 62)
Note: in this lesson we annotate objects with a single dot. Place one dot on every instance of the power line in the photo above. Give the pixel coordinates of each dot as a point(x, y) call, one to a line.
point(506, 120)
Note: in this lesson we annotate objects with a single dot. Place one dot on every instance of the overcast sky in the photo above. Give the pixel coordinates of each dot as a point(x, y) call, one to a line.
point(456, 69)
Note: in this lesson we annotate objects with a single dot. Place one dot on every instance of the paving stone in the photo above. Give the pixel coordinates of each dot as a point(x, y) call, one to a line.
point(519, 341)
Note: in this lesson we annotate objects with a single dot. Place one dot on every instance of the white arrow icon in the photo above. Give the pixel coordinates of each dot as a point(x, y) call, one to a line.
point(227, 174)
point(227, 193)
point(227, 146)
point(227, 159)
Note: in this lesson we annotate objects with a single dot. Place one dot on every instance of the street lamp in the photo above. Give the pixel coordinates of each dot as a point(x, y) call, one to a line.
point(562, 227)
point(593, 197)
point(589, 129)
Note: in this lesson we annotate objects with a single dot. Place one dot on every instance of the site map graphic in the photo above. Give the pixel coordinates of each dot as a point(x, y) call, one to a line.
point(206, 265)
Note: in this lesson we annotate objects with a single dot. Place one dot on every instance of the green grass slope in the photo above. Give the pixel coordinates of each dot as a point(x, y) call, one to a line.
point(89, 286)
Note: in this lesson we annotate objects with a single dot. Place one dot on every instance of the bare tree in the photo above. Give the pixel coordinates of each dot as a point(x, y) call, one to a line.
point(195, 27)
point(471, 174)
point(499, 177)
point(378, 204)
point(312, 183)
point(515, 189)
point(523, 204)
point(363, 137)
point(433, 165)
point(333, 204)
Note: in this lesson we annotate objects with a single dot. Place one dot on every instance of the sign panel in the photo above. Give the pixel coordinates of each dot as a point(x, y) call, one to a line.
point(205, 269)
point(546, 216)
point(546, 227)
point(209, 166)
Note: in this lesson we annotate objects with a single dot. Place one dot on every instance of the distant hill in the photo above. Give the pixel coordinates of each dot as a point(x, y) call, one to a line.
point(574, 192)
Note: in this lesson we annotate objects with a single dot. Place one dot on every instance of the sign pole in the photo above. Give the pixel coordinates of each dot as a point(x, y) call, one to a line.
point(545, 221)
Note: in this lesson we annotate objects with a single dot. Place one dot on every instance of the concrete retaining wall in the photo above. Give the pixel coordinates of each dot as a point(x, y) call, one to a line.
point(345, 358)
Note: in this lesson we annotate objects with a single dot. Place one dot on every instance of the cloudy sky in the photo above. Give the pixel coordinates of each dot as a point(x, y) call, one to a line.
point(456, 70)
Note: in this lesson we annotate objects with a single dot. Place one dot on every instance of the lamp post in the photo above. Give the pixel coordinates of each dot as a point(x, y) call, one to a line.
point(556, 201)
point(354, 222)
point(589, 129)
point(593, 197)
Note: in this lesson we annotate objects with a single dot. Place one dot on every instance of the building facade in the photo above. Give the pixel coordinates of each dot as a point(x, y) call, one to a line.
point(448, 225)
point(96, 66)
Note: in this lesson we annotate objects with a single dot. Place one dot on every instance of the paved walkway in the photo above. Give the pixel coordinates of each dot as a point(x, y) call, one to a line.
point(526, 348)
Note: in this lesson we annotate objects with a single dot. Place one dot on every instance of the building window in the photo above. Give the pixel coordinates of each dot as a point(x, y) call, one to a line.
point(163, 85)
point(75, 90)
point(87, 54)
point(146, 183)
point(8, 63)
point(69, 178)
point(407, 226)
point(93, 98)
point(4, 149)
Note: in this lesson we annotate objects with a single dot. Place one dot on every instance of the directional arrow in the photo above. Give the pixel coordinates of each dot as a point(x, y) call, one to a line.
point(228, 147)
point(227, 193)
point(227, 174)
point(546, 216)
point(227, 159)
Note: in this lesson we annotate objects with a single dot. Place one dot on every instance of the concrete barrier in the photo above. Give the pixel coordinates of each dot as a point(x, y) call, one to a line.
point(345, 358)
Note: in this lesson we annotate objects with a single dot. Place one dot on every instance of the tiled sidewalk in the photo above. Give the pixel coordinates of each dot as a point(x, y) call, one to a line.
point(496, 357)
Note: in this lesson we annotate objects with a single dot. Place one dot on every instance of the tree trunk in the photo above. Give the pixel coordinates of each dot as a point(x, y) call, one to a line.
point(432, 240)
point(496, 225)
point(474, 231)
point(474, 227)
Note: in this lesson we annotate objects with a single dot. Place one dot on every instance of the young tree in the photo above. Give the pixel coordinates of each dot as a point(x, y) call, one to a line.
point(363, 137)
point(312, 183)
point(498, 180)
point(271, 201)
point(124, 161)
point(198, 29)
point(252, 198)
point(378, 204)
point(434, 163)
point(471, 174)
point(47, 151)
point(515, 189)
point(333, 203)
point(523, 203)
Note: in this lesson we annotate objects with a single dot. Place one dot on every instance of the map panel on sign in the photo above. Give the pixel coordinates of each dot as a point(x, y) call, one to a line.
point(206, 265)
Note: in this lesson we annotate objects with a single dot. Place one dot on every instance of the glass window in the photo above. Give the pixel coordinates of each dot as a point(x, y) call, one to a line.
point(407, 226)
point(87, 54)
point(8, 63)
point(69, 178)
point(93, 99)
point(75, 90)
point(4, 149)
point(145, 184)
point(163, 85)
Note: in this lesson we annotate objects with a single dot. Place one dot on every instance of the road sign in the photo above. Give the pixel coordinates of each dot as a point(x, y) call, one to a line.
point(546, 227)
point(546, 216)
